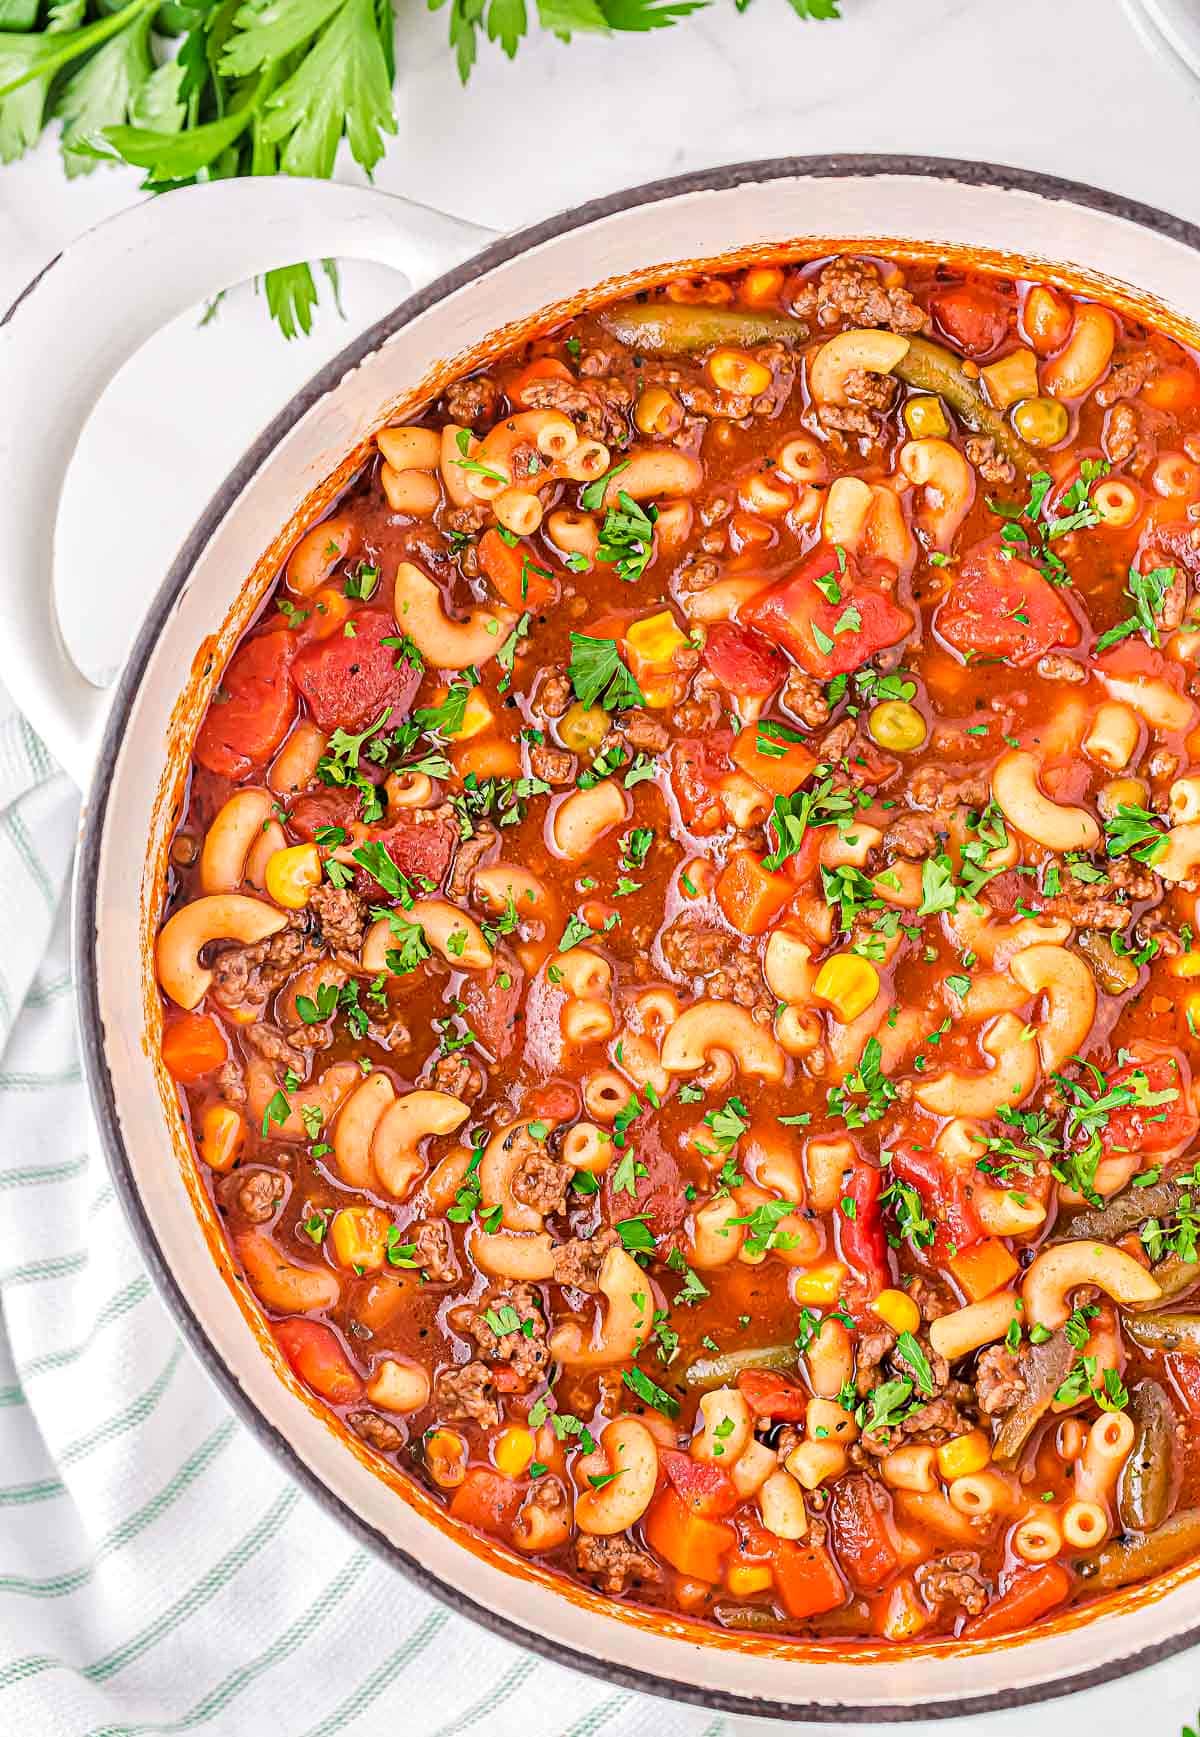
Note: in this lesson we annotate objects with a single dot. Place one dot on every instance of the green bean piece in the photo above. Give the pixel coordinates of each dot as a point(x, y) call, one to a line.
point(1175, 1277)
point(1124, 1560)
point(1123, 1213)
point(1043, 1368)
point(680, 329)
point(1165, 1332)
point(759, 1618)
point(853, 1619)
point(1147, 1477)
point(1115, 972)
point(717, 1371)
point(930, 367)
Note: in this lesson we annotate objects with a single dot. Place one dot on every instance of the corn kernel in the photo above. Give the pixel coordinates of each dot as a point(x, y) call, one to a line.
point(1185, 965)
point(1191, 1010)
point(849, 985)
point(512, 1450)
point(762, 285)
point(655, 639)
point(897, 1310)
point(745, 1578)
point(816, 1285)
point(896, 725)
point(738, 371)
point(658, 411)
point(358, 1237)
point(651, 644)
point(1041, 421)
point(222, 1131)
point(292, 874)
point(1011, 378)
point(964, 1455)
point(925, 419)
point(1134, 791)
point(477, 715)
point(905, 1617)
point(446, 1458)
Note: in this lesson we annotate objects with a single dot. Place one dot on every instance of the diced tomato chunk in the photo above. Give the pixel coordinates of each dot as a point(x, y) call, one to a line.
point(252, 709)
point(825, 638)
point(421, 851)
point(975, 319)
point(492, 1008)
point(315, 1353)
point(862, 1240)
point(697, 764)
point(861, 1511)
point(308, 814)
point(1003, 608)
point(945, 1192)
point(744, 661)
point(487, 1500)
point(349, 679)
point(192, 1046)
point(1150, 1126)
point(658, 1184)
point(701, 1484)
point(691, 1543)
point(769, 1394)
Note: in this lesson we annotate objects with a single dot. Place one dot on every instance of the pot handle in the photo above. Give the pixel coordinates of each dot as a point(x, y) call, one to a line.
point(88, 312)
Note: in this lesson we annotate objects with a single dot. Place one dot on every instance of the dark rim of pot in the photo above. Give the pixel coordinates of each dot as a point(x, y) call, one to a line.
point(85, 914)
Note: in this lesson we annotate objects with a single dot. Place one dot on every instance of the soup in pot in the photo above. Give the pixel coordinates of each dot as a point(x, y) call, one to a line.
point(681, 956)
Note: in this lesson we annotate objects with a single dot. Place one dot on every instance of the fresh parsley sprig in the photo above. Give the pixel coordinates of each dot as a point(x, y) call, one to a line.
point(198, 89)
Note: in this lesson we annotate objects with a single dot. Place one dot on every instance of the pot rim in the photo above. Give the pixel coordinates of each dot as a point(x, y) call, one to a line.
point(961, 171)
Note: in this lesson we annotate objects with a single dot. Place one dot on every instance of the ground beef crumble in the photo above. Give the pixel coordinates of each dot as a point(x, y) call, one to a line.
point(578, 1262)
point(341, 916)
point(850, 291)
point(999, 1384)
point(433, 1251)
point(467, 1395)
point(615, 1564)
point(523, 1346)
point(953, 1579)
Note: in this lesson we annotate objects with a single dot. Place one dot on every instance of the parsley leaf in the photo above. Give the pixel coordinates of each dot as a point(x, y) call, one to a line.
point(598, 675)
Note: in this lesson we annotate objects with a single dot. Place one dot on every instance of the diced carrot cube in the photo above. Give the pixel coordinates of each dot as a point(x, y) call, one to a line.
point(694, 1545)
point(192, 1046)
point(984, 1268)
point(518, 576)
point(750, 896)
point(778, 766)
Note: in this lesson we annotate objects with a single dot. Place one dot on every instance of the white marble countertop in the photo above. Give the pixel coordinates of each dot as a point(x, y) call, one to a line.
point(1065, 86)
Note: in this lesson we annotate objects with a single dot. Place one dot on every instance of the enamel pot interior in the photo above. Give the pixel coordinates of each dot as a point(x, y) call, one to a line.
point(1138, 260)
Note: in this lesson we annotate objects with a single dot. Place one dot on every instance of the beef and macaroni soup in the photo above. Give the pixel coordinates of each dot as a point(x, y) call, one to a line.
point(682, 958)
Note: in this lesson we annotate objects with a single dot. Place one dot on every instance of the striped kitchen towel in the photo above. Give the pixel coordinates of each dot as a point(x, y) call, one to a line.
point(158, 1573)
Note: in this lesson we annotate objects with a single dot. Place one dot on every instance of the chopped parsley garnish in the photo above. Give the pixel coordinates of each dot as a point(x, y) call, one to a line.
point(627, 537)
point(598, 675)
point(637, 1381)
point(1147, 592)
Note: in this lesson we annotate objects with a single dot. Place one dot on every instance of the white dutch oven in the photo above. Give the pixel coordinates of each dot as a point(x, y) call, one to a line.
point(130, 747)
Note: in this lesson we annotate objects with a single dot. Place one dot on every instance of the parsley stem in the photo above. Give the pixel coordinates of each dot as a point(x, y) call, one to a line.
point(72, 43)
